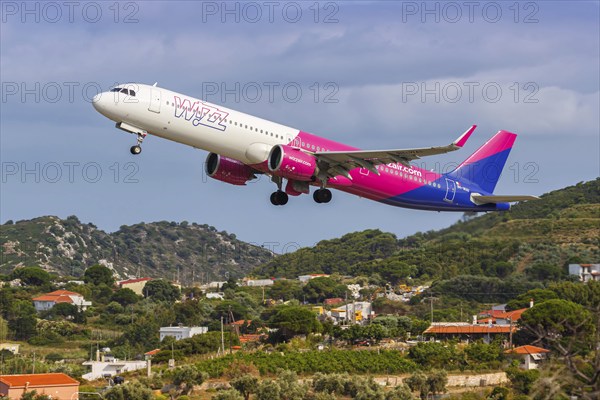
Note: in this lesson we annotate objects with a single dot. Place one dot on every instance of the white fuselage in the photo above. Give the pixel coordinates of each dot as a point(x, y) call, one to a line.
point(194, 122)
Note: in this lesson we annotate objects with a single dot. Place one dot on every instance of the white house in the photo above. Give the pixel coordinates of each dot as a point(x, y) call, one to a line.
point(306, 278)
point(104, 369)
point(586, 272)
point(12, 347)
point(49, 300)
point(530, 356)
point(181, 332)
point(215, 295)
point(259, 282)
point(359, 311)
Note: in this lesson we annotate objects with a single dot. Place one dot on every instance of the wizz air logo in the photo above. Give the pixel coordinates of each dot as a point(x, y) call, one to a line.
point(199, 113)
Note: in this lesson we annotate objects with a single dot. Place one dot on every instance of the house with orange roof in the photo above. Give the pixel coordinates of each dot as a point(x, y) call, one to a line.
point(468, 332)
point(49, 300)
point(530, 356)
point(56, 385)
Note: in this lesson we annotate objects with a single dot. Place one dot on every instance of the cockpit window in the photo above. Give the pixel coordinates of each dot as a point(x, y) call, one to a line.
point(128, 92)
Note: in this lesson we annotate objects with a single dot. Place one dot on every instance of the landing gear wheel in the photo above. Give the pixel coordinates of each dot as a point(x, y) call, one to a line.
point(322, 195)
point(279, 198)
point(135, 150)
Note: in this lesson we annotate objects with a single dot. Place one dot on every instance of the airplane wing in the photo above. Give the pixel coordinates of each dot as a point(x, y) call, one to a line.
point(341, 162)
point(480, 199)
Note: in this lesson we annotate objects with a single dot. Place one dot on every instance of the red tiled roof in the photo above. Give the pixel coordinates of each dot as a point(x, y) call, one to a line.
point(335, 300)
point(250, 338)
point(527, 349)
point(133, 280)
point(58, 296)
point(63, 293)
point(152, 352)
point(37, 380)
point(241, 322)
point(469, 329)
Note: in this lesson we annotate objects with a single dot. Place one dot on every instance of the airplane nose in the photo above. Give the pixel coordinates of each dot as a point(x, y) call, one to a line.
point(96, 102)
point(101, 103)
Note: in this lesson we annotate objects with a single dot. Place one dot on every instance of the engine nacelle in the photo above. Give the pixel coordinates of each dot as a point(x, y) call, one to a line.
point(292, 163)
point(228, 170)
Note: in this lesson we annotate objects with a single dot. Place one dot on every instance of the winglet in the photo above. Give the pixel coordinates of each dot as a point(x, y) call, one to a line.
point(460, 142)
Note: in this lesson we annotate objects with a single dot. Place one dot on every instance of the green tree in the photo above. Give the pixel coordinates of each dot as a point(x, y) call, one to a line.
point(522, 380)
point(294, 320)
point(330, 383)
point(561, 324)
point(186, 377)
point(537, 295)
point(230, 394)
point(268, 390)
point(129, 391)
point(125, 297)
point(33, 395)
point(437, 381)
point(142, 334)
point(400, 392)
point(285, 289)
point(32, 276)
point(22, 319)
point(290, 388)
point(98, 274)
point(319, 289)
point(246, 385)
point(417, 382)
point(162, 290)
point(434, 354)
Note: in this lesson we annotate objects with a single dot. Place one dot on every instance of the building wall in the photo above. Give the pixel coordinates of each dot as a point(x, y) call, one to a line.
point(43, 305)
point(57, 392)
point(137, 287)
point(101, 368)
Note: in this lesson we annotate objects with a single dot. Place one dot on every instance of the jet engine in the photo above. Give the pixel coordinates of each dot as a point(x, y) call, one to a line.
point(228, 170)
point(292, 163)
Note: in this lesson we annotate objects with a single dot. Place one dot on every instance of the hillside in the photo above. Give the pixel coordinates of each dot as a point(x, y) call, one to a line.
point(158, 249)
point(563, 225)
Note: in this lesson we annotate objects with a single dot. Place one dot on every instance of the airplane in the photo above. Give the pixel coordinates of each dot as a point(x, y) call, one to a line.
point(241, 146)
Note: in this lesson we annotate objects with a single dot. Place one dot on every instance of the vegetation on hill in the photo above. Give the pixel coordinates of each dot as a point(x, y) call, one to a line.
point(158, 249)
point(562, 226)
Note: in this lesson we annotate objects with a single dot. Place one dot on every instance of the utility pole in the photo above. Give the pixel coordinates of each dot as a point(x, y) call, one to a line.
point(431, 305)
point(33, 368)
point(222, 338)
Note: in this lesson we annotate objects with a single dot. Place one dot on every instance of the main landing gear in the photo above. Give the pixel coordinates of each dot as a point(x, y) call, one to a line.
point(322, 195)
point(137, 149)
point(279, 198)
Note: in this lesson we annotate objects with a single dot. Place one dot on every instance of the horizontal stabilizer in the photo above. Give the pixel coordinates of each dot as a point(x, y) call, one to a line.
point(480, 199)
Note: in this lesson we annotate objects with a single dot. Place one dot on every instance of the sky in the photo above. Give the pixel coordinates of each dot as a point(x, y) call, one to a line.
point(374, 75)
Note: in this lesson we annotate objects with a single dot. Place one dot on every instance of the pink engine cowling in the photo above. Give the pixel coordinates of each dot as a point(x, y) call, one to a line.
point(292, 163)
point(228, 170)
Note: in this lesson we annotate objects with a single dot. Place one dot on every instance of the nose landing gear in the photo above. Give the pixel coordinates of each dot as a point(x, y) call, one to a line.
point(137, 149)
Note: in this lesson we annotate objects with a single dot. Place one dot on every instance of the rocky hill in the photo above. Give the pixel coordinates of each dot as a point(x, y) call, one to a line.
point(158, 249)
point(564, 225)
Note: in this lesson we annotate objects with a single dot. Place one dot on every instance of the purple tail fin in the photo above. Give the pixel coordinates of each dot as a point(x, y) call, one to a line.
point(484, 167)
